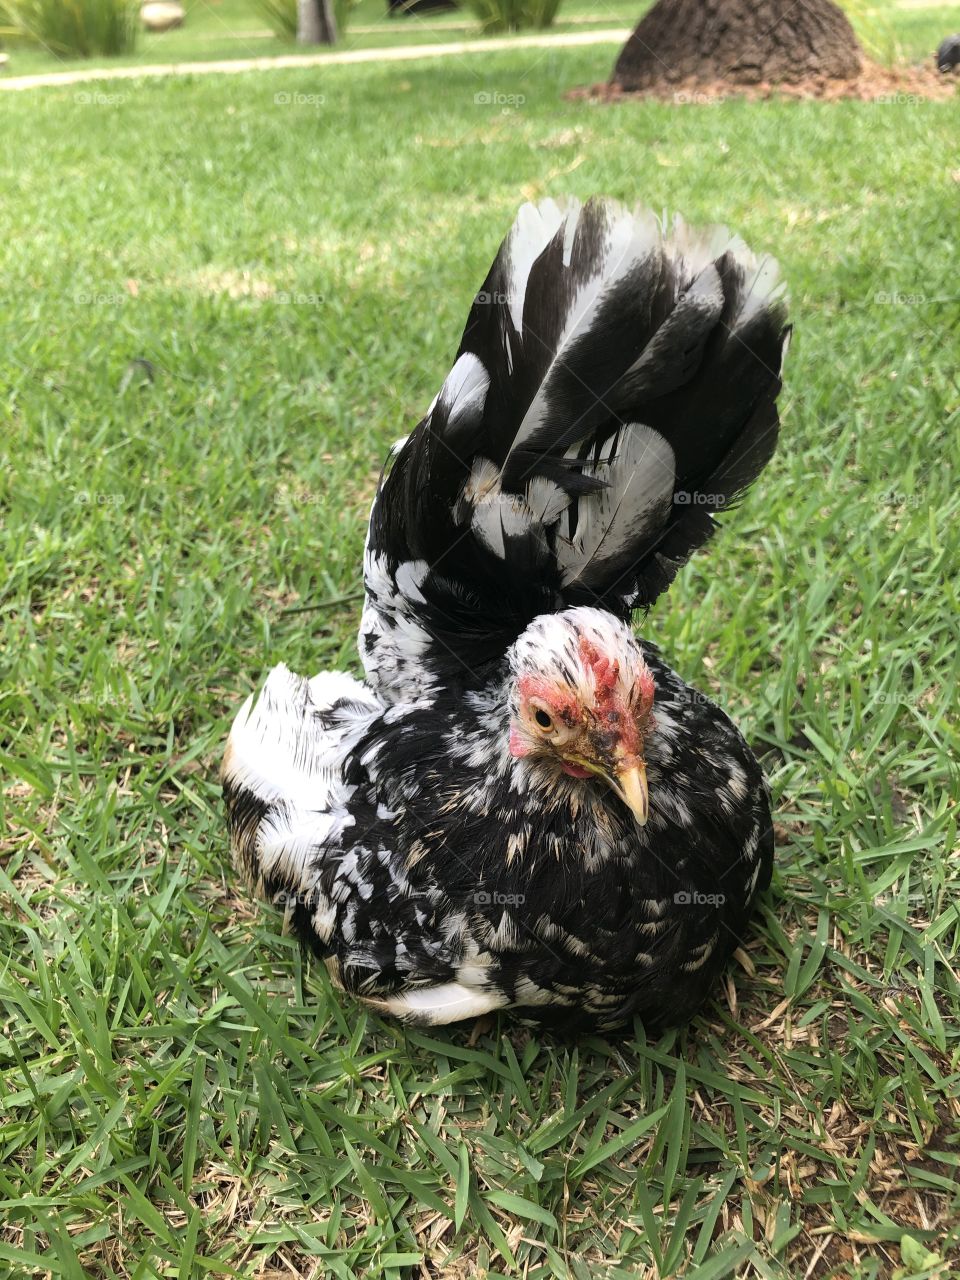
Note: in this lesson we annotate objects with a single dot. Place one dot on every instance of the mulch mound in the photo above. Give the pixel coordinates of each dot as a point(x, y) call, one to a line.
point(887, 85)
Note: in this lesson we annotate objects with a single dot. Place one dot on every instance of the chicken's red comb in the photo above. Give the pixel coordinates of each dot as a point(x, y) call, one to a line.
point(605, 673)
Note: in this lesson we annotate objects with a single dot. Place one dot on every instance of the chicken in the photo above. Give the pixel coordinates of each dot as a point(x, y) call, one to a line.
point(523, 806)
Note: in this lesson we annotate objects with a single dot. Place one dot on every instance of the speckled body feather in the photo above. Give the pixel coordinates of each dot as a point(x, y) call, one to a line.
point(434, 856)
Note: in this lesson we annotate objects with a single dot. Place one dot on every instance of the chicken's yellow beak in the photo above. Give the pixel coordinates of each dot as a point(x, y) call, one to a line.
point(629, 781)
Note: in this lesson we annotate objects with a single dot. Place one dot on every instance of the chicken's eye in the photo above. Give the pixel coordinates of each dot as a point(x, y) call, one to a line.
point(544, 722)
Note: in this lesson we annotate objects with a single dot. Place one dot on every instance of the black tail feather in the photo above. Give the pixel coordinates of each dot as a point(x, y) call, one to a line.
point(615, 389)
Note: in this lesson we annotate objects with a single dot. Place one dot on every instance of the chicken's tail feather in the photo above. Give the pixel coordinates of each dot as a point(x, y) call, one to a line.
point(615, 389)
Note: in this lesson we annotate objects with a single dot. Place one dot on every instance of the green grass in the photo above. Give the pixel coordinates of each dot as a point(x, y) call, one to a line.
point(231, 29)
point(218, 311)
point(77, 28)
point(281, 16)
point(513, 15)
point(237, 29)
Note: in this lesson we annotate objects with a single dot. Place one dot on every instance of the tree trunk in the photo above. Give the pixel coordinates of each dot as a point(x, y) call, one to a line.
point(316, 23)
point(741, 41)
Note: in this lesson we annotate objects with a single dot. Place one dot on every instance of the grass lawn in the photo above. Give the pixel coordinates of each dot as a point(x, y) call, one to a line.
point(225, 29)
point(218, 311)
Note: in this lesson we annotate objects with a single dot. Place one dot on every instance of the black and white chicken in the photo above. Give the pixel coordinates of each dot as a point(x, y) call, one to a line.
point(522, 806)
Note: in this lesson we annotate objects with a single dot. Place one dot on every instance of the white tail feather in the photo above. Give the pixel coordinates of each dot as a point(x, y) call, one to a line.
point(639, 482)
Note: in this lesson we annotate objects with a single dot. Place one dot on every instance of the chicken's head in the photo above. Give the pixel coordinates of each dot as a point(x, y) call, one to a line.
point(581, 699)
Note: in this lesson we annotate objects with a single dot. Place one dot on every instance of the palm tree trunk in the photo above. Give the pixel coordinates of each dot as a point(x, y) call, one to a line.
point(316, 23)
